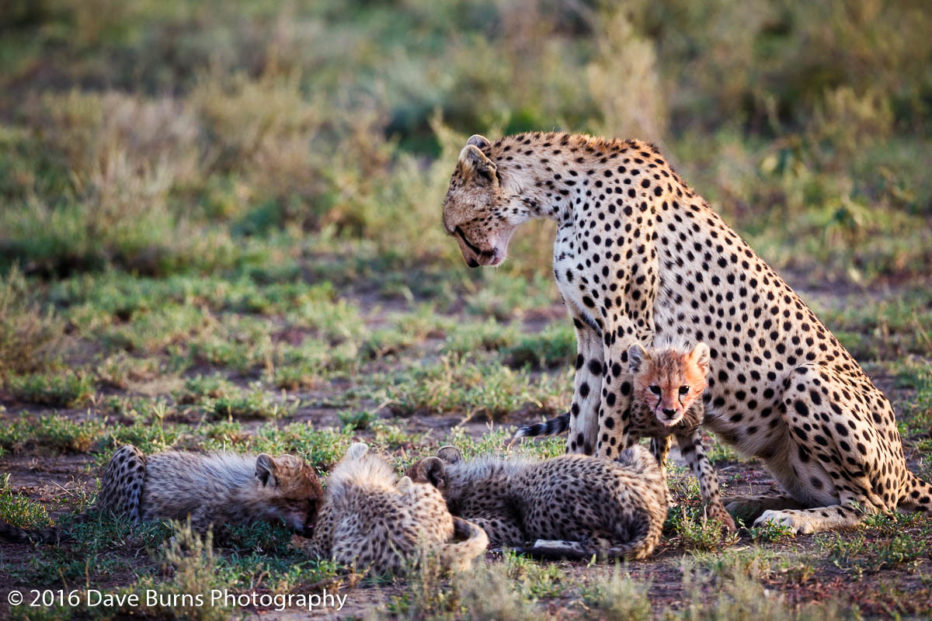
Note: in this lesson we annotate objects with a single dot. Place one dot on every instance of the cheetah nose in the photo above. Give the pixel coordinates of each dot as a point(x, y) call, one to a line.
point(669, 413)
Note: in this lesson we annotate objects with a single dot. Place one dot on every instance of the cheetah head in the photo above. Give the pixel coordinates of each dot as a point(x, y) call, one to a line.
point(476, 209)
point(292, 489)
point(669, 381)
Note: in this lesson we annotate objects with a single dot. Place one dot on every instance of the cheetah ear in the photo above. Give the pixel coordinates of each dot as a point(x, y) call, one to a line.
point(450, 454)
point(430, 470)
point(265, 470)
point(405, 484)
point(474, 163)
point(636, 356)
point(478, 140)
point(700, 355)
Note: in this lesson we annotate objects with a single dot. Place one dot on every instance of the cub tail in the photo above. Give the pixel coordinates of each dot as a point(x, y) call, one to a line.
point(470, 541)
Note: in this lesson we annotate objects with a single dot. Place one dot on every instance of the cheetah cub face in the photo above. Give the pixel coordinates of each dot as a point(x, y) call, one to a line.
point(476, 210)
point(667, 381)
point(290, 488)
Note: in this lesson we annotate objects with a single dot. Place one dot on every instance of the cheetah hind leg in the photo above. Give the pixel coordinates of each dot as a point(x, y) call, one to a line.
point(917, 496)
point(121, 488)
point(749, 508)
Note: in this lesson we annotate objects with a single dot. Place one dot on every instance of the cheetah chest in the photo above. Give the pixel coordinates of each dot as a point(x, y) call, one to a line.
point(572, 278)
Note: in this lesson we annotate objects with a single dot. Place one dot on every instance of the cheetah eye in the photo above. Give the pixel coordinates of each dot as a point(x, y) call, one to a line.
point(654, 389)
point(684, 390)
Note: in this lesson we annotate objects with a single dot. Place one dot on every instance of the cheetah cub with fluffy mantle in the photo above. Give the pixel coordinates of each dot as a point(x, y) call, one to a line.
point(571, 506)
point(212, 489)
point(371, 520)
point(668, 386)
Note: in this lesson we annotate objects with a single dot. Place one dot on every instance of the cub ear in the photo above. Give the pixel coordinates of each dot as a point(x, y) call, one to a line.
point(265, 470)
point(474, 163)
point(405, 484)
point(701, 355)
point(636, 356)
point(477, 140)
point(356, 450)
point(450, 454)
point(429, 470)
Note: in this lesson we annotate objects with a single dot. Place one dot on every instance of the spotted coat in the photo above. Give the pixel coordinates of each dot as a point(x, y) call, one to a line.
point(574, 506)
point(639, 255)
point(370, 520)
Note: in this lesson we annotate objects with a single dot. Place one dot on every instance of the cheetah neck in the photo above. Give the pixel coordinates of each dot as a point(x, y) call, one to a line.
point(551, 175)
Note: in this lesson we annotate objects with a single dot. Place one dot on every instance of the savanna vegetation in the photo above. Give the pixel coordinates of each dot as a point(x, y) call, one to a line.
point(220, 229)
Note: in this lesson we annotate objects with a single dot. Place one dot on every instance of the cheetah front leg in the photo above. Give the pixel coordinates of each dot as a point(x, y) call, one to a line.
point(660, 449)
point(584, 412)
point(617, 388)
point(693, 452)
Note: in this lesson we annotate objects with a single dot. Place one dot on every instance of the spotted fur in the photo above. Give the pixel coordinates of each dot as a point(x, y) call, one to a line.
point(371, 520)
point(571, 506)
point(211, 489)
point(639, 255)
point(668, 385)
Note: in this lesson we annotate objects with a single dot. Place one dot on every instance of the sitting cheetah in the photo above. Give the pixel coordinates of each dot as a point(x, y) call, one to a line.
point(215, 488)
point(668, 384)
point(371, 520)
point(639, 255)
point(571, 506)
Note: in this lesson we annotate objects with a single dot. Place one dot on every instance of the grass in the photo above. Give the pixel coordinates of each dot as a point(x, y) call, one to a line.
point(241, 250)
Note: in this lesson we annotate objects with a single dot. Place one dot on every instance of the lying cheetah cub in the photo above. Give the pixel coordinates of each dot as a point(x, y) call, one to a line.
point(211, 489)
point(571, 506)
point(371, 520)
point(668, 386)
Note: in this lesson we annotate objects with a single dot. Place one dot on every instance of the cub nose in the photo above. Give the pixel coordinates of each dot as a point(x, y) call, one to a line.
point(669, 413)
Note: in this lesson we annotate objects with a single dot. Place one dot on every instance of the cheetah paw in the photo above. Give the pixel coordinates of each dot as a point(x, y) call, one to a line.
point(798, 524)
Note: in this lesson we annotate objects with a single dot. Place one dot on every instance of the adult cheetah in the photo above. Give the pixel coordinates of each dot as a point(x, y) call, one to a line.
point(638, 255)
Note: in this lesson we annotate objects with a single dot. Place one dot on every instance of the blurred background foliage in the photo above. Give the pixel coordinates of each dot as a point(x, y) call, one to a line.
point(166, 136)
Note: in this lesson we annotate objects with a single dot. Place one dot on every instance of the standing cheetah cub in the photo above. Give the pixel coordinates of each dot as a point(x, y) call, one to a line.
point(668, 386)
point(211, 489)
point(371, 520)
point(571, 506)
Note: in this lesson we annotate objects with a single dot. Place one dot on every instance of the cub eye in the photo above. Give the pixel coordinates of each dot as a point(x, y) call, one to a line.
point(654, 389)
point(684, 390)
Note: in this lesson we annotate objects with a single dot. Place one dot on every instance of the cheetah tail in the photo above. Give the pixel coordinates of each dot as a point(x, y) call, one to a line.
point(470, 542)
point(15, 534)
point(917, 495)
point(552, 427)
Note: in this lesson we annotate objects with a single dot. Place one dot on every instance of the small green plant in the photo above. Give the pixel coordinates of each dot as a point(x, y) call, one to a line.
point(51, 433)
point(619, 597)
point(771, 532)
point(357, 420)
point(695, 531)
point(18, 510)
point(66, 390)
